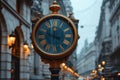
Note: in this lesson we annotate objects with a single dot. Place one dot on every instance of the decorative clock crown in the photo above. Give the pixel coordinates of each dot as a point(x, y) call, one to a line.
point(54, 7)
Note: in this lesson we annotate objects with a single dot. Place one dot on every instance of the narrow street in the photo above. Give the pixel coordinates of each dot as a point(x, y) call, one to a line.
point(59, 39)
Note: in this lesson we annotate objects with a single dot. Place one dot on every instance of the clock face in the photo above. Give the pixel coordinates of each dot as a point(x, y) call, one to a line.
point(54, 35)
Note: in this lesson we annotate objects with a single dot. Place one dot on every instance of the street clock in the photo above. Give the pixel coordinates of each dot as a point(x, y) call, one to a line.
point(54, 36)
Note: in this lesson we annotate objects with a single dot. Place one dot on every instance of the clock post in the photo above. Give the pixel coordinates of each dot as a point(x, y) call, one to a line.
point(54, 64)
point(54, 38)
point(54, 67)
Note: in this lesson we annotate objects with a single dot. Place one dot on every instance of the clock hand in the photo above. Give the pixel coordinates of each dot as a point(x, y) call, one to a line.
point(56, 37)
point(53, 35)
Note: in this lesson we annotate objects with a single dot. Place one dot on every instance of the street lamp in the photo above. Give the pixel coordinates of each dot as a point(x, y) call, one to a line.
point(26, 48)
point(25, 45)
point(101, 68)
point(66, 68)
point(11, 39)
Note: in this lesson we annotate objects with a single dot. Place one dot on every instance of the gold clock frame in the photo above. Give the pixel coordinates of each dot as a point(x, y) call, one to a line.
point(47, 55)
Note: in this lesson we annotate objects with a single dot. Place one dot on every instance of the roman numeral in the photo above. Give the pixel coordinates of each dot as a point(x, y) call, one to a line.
point(66, 29)
point(55, 23)
point(61, 25)
point(47, 24)
point(47, 47)
point(43, 42)
point(61, 47)
point(41, 29)
point(41, 36)
point(66, 42)
point(68, 35)
point(54, 48)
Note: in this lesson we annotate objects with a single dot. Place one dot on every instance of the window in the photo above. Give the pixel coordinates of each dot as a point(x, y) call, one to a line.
point(18, 6)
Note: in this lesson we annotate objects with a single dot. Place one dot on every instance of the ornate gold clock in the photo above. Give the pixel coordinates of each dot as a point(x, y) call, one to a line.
point(54, 36)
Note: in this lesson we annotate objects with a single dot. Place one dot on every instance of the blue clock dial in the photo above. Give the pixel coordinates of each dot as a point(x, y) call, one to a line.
point(54, 35)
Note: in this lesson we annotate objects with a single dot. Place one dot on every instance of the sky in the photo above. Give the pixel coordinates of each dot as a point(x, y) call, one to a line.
point(88, 14)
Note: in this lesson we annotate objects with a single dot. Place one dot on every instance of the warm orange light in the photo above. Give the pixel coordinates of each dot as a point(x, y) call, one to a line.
point(102, 78)
point(103, 62)
point(119, 74)
point(11, 39)
point(99, 65)
point(26, 48)
point(63, 64)
point(9, 42)
point(93, 71)
point(70, 70)
point(102, 68)
point(65, 67)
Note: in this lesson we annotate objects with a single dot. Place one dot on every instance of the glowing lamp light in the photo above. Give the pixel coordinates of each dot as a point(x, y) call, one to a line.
point(93, 71)
point(65, 67)
point(63, 64)
point(26, 48)
point(99, 65)
point(25, 45)
point(102, 68)
point(102, 78)
point(103, 62)
point(118, 74)
point(11, 39)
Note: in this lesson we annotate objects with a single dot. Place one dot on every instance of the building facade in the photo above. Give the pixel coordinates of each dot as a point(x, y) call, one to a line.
point(86, 59)
point(115, 34)
point(14, 17)
point(107, 39)
point(68, 7)
point(107, 43)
